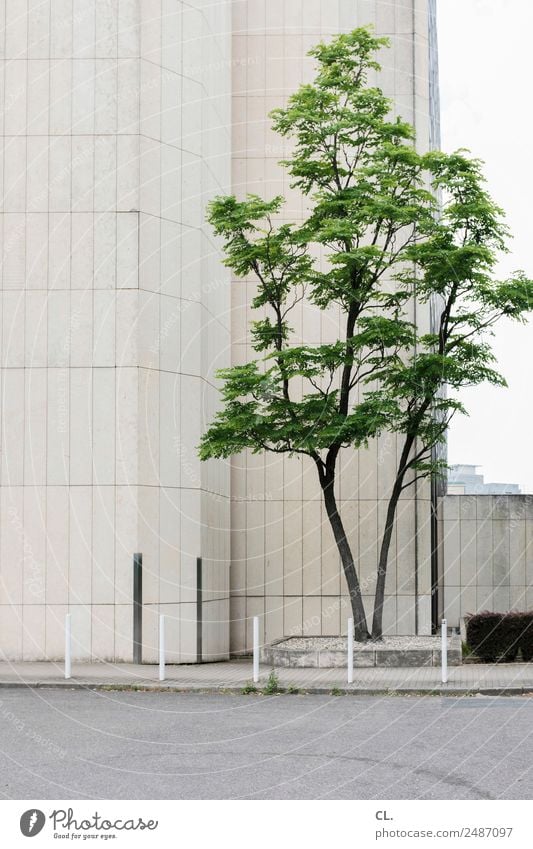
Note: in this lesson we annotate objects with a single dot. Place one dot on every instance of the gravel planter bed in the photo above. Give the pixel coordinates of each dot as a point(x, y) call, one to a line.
point(339, 643)
point(330, 652)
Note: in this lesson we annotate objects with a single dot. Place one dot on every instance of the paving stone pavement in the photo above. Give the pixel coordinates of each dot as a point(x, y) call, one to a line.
point(233, 675)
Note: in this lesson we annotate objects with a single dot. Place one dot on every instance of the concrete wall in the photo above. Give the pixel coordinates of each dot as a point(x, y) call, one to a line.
point(114, 313)
point(120, 119)
point(185, 77)
point(285, 566)
point(487, 554)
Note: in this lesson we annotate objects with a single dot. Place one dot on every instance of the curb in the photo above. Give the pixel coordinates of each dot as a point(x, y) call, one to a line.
point(237, 690)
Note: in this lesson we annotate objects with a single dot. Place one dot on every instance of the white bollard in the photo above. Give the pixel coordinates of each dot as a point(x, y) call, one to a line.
point(256, 648)
point(68, 650)
point(444, 652)
point(350, 651)
point(161, 648)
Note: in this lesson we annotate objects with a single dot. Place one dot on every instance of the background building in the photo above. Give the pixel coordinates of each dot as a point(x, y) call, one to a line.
point(465, 480)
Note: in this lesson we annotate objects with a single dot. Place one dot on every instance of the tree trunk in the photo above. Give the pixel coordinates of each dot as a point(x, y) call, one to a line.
point(359, 617)
point(377, 621)
point(379, 598)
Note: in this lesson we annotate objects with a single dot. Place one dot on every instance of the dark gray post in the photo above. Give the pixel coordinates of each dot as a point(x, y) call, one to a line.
point(198, 610)
point(137, 608)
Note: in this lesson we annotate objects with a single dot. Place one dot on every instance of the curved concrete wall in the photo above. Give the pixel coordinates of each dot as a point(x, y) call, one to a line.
point(116, 123)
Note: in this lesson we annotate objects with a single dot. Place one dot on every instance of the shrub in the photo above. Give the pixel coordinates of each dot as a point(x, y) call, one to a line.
point(500, 636)
point(483, 635)
point(526, 637)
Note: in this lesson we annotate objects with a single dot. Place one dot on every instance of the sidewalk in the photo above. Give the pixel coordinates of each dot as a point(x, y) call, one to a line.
point(232, 676)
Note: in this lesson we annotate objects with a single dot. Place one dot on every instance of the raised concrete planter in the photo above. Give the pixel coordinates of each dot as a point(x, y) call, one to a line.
point(331, 652)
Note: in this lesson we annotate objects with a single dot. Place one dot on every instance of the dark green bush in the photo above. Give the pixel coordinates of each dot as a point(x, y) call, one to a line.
point(486, 637)
point(500, 636)
point(526, 637)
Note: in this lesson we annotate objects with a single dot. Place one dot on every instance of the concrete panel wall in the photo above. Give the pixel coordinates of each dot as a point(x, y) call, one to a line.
point(487, 554)
point(112, 294)
point(184, 320)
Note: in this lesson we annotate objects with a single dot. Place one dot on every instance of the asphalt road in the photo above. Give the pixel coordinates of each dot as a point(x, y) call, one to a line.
point(57, 744)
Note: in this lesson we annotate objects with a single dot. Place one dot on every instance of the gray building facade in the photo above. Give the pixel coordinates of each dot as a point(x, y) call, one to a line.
point(121, 120)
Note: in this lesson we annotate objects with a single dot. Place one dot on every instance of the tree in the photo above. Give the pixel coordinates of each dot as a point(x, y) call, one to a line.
point(454, 270)
point(364, 180)
point(372, 211)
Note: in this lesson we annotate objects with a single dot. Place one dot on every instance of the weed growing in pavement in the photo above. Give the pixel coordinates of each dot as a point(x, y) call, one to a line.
point(272, 685)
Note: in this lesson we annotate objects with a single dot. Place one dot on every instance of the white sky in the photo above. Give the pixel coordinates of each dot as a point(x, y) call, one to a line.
point(486, 89)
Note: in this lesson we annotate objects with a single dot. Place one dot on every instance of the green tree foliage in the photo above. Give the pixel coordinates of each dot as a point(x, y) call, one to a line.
point(373, 237)
point(453, 271)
